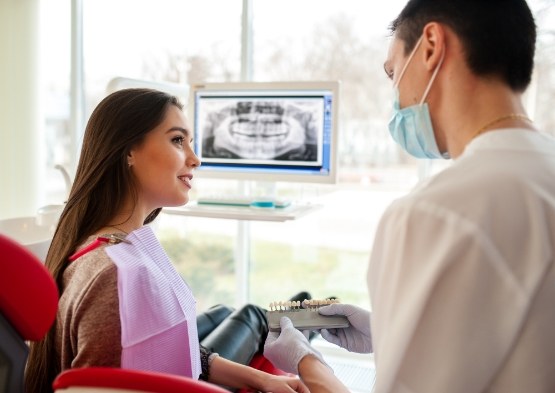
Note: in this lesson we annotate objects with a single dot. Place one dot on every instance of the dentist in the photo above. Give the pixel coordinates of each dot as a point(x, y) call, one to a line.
point(462, 273)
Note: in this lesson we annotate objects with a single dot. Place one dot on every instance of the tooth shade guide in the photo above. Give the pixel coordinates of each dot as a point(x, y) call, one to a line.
point(304, 315)
point(312, 304)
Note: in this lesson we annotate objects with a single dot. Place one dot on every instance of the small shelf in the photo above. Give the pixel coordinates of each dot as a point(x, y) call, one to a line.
point(291, 212)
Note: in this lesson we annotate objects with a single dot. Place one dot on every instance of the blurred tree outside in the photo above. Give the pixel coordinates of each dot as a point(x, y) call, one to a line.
point(206, 264)
point(542, 89)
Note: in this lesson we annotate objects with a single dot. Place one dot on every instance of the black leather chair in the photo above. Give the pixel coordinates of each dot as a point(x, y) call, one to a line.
point(209, 320)
point(240, 336)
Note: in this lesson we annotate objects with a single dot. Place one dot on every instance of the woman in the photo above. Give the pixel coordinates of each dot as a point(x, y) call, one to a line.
point(136, 158)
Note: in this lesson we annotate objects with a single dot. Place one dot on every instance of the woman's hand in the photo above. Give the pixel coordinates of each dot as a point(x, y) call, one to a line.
point(228, 373)
point(283, 384)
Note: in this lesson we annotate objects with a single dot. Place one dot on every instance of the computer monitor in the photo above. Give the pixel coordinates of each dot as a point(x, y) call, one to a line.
point(279, 131)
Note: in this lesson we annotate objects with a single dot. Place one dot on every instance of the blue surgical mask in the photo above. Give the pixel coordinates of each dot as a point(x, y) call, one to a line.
point(411, 127)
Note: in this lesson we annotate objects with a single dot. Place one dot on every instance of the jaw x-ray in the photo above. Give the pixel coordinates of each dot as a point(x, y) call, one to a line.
point(261, 129)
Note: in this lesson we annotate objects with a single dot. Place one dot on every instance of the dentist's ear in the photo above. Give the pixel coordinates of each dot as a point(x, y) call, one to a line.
point(433, 42)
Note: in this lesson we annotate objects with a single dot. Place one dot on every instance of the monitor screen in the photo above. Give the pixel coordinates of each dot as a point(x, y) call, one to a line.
point(281, 131)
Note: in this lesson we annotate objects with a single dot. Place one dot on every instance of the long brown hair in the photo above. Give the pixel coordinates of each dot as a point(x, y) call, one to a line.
point(102, 184)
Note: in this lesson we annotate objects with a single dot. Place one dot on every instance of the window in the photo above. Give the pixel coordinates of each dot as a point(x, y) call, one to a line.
point(327, 251)
point(159, 40)
point(55, 43)
point(185, 42)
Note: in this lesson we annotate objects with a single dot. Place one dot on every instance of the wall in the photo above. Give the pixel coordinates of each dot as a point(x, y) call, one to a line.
point(19, 107)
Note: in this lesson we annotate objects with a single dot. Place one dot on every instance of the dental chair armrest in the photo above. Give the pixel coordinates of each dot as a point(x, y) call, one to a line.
point(123, 379)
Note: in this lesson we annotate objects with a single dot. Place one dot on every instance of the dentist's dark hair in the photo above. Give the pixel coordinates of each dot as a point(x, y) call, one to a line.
point(498, 36)
point(102, 184)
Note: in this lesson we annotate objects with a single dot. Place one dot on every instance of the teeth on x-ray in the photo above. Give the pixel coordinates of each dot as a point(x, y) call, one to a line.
point(261, 120)
point(263, 129)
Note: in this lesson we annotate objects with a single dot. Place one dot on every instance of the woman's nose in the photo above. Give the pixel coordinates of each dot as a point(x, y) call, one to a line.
point(192, 160)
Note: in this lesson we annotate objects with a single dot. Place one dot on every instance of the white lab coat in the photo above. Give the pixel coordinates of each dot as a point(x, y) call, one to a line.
point(462, 277)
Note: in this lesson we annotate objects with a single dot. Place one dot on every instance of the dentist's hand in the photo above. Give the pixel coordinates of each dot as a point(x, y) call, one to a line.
point(287, 348)
point(355, 338)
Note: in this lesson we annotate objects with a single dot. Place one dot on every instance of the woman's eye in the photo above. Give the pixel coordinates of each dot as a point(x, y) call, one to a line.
point(178, 140)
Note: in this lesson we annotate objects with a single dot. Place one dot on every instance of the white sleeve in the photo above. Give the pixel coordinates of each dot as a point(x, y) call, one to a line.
point(445, 308)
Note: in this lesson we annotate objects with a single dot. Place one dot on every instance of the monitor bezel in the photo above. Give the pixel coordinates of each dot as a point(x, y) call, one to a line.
point(237, 173)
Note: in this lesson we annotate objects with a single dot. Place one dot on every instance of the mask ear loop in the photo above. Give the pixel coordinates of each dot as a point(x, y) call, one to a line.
point(408, 61)
point(433, 77)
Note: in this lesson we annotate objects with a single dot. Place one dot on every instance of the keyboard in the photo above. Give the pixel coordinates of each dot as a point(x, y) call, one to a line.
point(243, 201)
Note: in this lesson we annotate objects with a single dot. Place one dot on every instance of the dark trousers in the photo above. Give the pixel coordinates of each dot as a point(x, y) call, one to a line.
point(235, 335)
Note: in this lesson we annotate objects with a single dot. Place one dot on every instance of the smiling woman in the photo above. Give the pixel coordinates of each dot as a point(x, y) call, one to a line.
point(117, 304)
point(163, 163)
point(105, 195)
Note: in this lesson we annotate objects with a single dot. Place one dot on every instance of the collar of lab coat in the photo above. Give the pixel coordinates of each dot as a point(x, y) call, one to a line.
point(516, 139)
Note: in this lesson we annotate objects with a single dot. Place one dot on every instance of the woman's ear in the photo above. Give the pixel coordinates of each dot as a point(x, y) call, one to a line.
point(433, 42)
point(130, 159)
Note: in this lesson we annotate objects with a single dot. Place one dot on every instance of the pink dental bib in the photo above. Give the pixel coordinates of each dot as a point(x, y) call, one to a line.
point(157, 309)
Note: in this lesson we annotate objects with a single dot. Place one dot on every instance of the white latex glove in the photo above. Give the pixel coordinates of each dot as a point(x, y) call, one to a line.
point(287, 348)
point(355, 338)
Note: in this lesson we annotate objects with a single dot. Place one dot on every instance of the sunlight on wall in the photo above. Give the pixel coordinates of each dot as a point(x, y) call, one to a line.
point(19, 108)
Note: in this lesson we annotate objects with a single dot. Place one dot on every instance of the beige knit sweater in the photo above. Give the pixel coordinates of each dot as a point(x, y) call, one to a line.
point(88, 329)
point(88, 325)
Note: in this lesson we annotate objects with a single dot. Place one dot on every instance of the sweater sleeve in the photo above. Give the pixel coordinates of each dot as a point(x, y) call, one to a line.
point(206, 357)
point(96, 326)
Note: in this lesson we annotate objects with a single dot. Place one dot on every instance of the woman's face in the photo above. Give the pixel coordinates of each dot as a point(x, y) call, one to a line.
point(163, 163)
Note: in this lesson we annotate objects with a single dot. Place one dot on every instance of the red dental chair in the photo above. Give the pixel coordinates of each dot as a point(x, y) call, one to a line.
point(116, 380)
point(28, 304)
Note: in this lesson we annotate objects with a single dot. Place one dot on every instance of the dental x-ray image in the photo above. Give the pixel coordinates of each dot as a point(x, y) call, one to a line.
point(262, 129)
